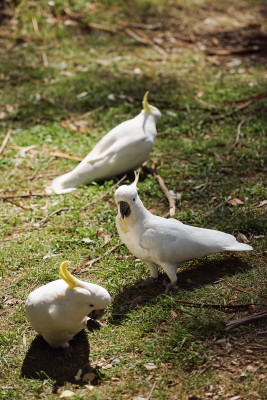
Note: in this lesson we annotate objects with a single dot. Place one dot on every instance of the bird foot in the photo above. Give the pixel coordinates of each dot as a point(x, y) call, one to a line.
point(93, 325)
point(149, 281)
point(170, 287)
point(67, 352)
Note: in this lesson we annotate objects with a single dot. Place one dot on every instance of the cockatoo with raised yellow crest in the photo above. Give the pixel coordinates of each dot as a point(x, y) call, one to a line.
point(62, 308)
point(125, 148)
point(165, 243)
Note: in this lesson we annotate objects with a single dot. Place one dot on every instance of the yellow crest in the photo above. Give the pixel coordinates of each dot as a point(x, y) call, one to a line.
point(66, 276)
point(145, 104)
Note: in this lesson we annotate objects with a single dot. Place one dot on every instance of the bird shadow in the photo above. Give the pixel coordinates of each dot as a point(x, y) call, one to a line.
point(42, 362)
point(195, 274)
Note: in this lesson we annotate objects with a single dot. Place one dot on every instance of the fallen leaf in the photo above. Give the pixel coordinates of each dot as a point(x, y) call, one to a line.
point(149, 366)
point(262, 203)
point(107, 239)
point(108, 366)
point(251, 368)
point(89, 377)
point(235, 202)
point(87, 240)
point(242, 238)
point(89, 387)
point(235, 398)
point(139, 398)
point(67, 393)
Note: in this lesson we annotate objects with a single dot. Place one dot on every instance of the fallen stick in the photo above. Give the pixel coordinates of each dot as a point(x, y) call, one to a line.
point(79, 18)
point(23, 196)
point(18, 205)
point(244, 291)
point(227, 114)
point(251, 98)
point(163, 188)
point(103, 195)
point(5, 141)
point(217, 207)
point(151, 391)
point(216, 306)
point(238, 135)
point(245, 320)
point(58, 154)
point(31, 177)
point(92, 262)
point(144, 39)
point(58, 211)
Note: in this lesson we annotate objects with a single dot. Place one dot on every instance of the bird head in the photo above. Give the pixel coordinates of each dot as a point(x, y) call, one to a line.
point(90, 298)
point(150, 110)
point(127, 201)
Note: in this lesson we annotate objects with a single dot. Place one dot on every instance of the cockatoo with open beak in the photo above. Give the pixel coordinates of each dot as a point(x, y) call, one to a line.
point(165, 242)
point(125, 148)
point(62, 308)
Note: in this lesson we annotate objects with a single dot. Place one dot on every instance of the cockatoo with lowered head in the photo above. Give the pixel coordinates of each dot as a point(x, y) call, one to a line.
point(125, 148)
point(165, 242)
point(62, 308)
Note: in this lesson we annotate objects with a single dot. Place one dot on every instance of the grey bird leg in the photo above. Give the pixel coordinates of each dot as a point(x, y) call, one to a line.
point(170, 270)
point(154, 274)
point(67, 352)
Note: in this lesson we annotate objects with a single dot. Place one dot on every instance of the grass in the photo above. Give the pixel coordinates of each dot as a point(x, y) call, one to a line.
point(191, 355)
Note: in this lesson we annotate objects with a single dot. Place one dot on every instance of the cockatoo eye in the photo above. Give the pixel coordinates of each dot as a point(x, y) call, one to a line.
point(91, 305)
point(134, 199)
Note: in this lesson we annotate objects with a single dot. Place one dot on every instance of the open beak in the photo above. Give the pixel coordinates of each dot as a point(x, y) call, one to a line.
point(125, 209)
point(96, 314)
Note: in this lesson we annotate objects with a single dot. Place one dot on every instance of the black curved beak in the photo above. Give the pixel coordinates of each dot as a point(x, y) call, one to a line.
point(96, 314)
point(124, 209)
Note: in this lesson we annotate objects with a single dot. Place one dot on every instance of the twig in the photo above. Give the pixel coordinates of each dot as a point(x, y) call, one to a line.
point(238, 135)
point(245, 320)
point(151, 391)
point(144, 39)
point(5, 141)
point(58, 211)
point(18, 205)
point(50, 153)
point(163, 188)
point(31, 177)
point(251, 98)
point(217, 117)
point(92, 262)
point(139, 25)
point(244, 291)
point(217, 207)
point(103, 195)
point(79, 18)
point(22, 196)
point(216, 306)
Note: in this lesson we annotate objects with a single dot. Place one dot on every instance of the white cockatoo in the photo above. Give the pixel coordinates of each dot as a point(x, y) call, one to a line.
point(125, 148)
point(62, 308)
point(165, 242)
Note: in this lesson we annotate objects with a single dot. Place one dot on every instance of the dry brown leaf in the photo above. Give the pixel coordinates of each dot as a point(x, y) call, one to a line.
point(149, 366)
point(75, 125)
point(2, 115)
point(262, 203)
point(66, 393)
point(89, 377)
point(236, 202)
point(242, 238)
point(107, 238)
